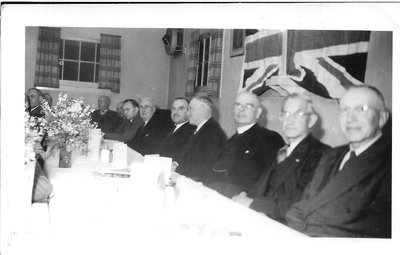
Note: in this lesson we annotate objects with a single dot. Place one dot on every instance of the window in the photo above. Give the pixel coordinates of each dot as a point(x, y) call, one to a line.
point(203, 61)
point(79, 61)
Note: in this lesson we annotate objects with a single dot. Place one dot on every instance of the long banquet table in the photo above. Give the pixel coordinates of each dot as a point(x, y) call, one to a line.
point(95, 215)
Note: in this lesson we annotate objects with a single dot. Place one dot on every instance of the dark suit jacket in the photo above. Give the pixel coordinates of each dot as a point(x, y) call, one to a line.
point(149, 137)
point(127, 130)
point(174, 142)
point(284, 183)
point(108, 122)
point(201, 151)
point(37, 112)
point(245, 156)
point(355, 202)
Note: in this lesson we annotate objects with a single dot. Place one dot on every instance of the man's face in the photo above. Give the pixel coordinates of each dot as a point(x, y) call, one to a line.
point(361, 116)
point(129, 110)
point(246, 109)
point(179, 111)
point(34, 98)
point(103, 103)
point(120, 110)
point(147, 109)
point(296, 119)
point(196, 112)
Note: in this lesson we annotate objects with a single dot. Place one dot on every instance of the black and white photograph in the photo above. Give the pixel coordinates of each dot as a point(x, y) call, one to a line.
point(199, 128)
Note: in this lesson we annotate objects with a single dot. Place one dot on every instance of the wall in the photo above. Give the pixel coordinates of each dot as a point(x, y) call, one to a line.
point(378, 73)
point(144, 65)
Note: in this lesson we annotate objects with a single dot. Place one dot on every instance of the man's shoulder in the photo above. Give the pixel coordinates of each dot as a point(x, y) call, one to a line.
point(265, 134)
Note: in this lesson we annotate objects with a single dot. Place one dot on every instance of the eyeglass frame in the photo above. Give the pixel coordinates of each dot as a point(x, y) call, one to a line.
point(283, 115)
point(359, 109)
point(244, 107)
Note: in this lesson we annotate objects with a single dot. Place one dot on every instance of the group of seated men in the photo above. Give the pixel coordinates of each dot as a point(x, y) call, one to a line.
point(305, 184)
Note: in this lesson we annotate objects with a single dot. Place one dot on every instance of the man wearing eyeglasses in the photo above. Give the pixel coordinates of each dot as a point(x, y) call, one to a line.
point(248, 151)
point(350, 193)
point(284, 181)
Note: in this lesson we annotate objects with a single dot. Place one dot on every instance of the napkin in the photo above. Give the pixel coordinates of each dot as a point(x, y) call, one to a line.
point(120, 155)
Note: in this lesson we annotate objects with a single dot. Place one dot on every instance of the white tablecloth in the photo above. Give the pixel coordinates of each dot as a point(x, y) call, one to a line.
point(92, 215)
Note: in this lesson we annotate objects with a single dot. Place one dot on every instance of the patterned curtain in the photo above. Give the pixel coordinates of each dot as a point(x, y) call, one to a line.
point(110, 62)
point(48, 57)
point(192, 64)
point(214, 78)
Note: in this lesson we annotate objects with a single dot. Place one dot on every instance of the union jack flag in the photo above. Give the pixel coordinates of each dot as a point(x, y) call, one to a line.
point(322, 62)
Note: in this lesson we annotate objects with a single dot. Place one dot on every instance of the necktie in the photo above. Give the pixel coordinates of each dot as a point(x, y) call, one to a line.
point(282, 154)
point(350, 158)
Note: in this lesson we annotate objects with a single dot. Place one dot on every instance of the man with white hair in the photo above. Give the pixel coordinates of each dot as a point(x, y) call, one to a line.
point(284, 181)
point(350, 193)
point(204, 145)
point(157, 123)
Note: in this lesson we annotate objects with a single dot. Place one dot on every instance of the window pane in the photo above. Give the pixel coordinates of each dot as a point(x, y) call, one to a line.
point(98, 53)
point(205, 74)
point(61, 48)
point(97, 74)
point(87, 51)
point(207, 49)
point(71, 50)
point(201, 45)
point(198, 78)
point(70, 70)
point(87, 72)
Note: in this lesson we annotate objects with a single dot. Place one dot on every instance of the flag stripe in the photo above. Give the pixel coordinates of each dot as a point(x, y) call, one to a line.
point(265, 47)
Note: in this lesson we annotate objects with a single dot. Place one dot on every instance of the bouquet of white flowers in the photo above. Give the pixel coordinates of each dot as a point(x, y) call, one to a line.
point(68, 124)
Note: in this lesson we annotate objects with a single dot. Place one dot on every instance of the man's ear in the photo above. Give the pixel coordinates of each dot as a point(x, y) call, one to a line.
point(259, 111)
point(313, 119)
point(383, 117)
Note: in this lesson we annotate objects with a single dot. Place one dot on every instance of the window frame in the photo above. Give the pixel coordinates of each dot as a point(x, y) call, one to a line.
point(79, 84)
point(203, 39)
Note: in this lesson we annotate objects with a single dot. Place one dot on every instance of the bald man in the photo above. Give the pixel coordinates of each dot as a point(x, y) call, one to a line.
point(106, 119)
point(203, 147)
point(251, 149)
point(350, 193)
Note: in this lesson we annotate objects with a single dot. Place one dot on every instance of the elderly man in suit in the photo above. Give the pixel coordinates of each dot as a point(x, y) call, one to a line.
point(251, 149)
point(130, 125)
point(284, 181)
point(202, 149)
point(176, 139)
point(157, 123)
point(106, 119)
point(350, 193)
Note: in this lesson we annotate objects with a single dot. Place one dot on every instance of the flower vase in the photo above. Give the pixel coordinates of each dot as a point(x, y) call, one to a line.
point(65, 159)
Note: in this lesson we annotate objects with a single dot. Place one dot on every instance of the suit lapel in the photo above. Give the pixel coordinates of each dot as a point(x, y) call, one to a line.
point(291, 163)
point(351, 174)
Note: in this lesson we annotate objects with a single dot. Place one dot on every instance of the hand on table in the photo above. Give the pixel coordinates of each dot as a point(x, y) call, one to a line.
point(243, 199)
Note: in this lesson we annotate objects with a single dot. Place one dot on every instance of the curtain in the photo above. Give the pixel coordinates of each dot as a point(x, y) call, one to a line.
point(110, 62)
point(214, 78)
point(48, 57)
point(192, 64)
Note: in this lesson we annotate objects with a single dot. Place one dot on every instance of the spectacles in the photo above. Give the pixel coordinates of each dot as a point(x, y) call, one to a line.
point(360, 109)
point(244, 106)
point(145, 107)
point(297, 115)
